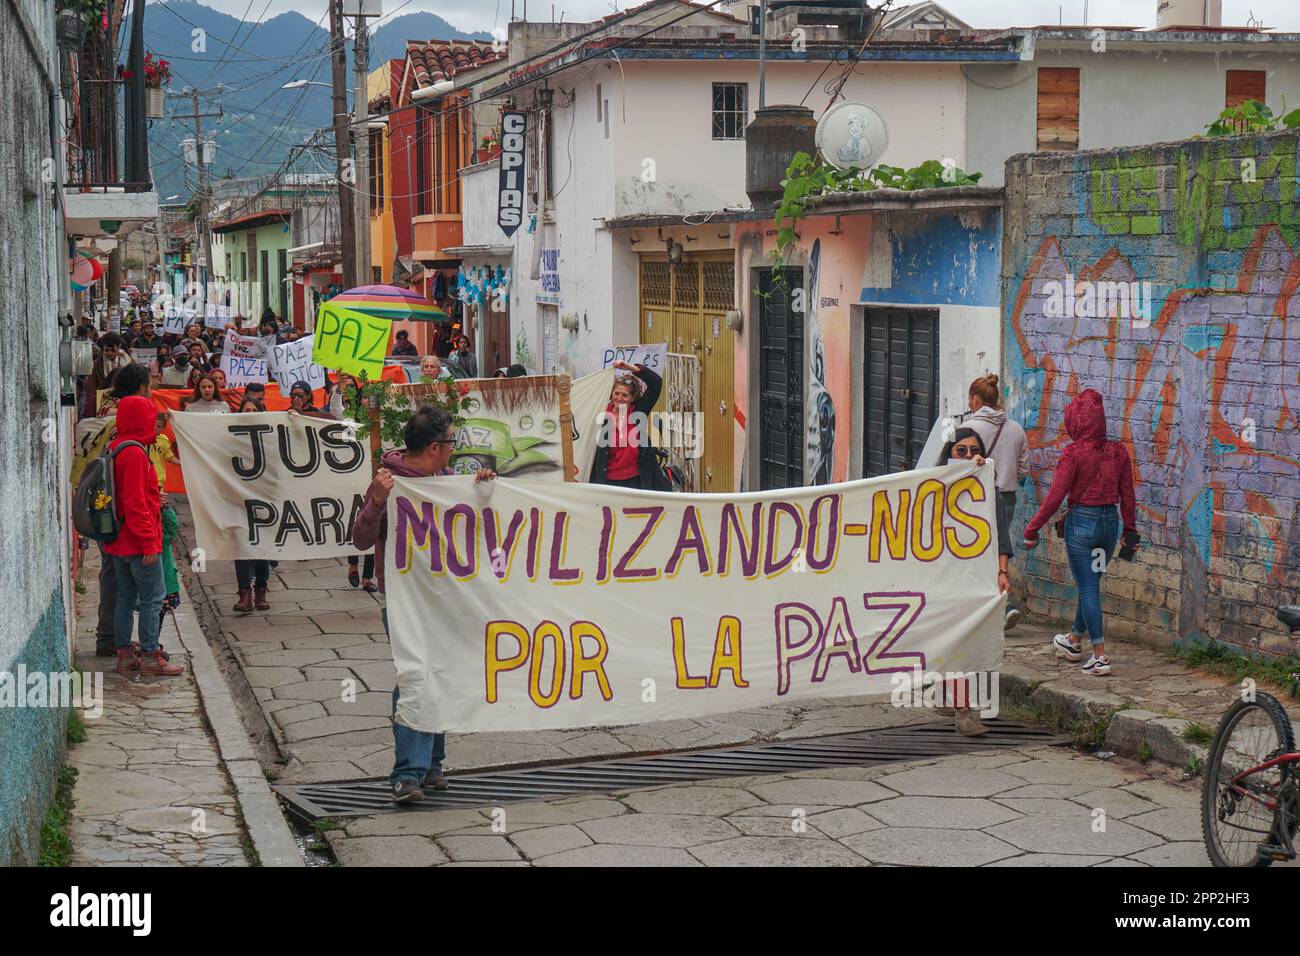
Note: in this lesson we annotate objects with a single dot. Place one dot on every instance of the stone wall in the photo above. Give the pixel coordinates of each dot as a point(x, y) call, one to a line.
point(1199, 378)
point(32, 428)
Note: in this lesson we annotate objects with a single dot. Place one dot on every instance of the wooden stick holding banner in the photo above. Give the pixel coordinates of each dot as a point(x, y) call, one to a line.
point(566, 426)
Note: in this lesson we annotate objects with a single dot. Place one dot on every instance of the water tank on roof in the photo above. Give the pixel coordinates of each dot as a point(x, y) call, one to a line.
point(1189, 13)
point(771, 140)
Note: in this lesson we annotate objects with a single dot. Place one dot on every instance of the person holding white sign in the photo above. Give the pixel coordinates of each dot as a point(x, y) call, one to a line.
point(430, 436)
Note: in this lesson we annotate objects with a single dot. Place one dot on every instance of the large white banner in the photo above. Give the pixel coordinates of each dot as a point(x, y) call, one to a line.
point(518, 605)
point(272, 485)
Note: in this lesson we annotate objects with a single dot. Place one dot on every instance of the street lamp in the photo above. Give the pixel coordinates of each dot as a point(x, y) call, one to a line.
point(299, 84)
point(441, 88)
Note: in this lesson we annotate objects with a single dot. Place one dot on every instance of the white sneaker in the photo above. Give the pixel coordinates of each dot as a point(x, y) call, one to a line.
point(1097, 665)
point(1065, 648)
point(1012, 618)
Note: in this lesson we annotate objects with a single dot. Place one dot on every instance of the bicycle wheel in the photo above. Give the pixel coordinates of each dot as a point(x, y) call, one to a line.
point(1237, 817)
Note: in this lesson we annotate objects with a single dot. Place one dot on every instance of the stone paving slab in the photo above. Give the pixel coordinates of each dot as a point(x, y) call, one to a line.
point(748, 823)
point(150, 786)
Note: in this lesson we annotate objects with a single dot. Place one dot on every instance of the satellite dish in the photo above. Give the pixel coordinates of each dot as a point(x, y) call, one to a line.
point(852, 136)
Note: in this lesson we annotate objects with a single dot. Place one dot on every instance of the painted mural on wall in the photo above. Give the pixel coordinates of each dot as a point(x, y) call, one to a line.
point(1174, 294)
point(819, 406)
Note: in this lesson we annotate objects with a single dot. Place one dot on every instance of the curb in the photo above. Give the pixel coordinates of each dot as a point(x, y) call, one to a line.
point(1127, 728)
point(263, 820)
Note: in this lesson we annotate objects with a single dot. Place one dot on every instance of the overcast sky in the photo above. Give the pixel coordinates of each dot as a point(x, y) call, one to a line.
point(1283, 15)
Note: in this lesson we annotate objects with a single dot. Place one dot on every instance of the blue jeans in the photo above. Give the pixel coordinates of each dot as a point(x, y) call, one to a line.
point(415, 752)
point(1090, 529)
point(139, 588)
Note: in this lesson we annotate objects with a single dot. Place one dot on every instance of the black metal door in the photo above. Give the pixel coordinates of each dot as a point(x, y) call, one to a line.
point(780, 418)
point(900, 387)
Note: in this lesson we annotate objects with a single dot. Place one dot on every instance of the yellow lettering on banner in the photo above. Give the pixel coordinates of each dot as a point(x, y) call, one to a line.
point(975, 488)
point(494, 663)
point(351, 341)
point(726, 652)
point(892, 524)
point(931, 490)
point(684, 680)
point(544, 630)
point(584, 665)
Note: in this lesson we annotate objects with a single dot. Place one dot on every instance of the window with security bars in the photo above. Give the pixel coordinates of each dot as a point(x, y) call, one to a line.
point(730, 110)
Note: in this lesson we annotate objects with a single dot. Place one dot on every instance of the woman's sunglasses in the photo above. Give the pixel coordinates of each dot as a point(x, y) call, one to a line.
point(964, 451)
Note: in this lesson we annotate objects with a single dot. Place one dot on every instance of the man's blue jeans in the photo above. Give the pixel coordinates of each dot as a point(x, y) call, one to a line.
point(415, 751)
point(1090, 535)
point(139, 588)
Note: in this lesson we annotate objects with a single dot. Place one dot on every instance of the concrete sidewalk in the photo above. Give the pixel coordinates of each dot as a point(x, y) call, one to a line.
point(150, 788)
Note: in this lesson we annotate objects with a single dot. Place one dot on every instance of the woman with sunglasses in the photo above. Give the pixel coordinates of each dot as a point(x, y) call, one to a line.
point(967, 446)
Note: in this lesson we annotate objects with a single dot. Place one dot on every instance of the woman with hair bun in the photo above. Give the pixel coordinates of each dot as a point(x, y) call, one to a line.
point(1005, 442)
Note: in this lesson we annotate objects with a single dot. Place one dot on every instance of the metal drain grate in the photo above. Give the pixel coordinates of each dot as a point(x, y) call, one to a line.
point(313, 801)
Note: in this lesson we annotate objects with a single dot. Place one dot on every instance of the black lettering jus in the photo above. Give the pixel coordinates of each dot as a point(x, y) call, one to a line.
point(255, 434)
point(332, 437)
point(313, 452)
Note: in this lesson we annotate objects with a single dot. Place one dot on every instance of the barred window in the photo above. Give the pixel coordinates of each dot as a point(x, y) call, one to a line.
point(730, 110)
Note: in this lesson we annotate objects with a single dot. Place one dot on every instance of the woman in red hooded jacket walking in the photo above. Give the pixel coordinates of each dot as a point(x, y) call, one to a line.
point(1097, 474)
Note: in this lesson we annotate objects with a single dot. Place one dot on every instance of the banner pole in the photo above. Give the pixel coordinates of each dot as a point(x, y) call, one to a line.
point(376, 423)
point(566, 426)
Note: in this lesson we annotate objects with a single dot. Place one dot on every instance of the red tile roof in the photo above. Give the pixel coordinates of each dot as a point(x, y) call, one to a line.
point(254, 220)
point(434, 60)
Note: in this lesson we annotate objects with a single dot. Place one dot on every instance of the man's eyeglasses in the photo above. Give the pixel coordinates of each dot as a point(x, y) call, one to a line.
point(964, 451)
point(444, 441)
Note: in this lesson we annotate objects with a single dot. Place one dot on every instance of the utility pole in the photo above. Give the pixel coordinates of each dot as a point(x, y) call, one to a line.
point(361, 130)
point(346, 172)
point(202, 228)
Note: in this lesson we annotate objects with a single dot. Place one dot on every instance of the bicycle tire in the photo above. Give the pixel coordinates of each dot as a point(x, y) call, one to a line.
point(1209, 795)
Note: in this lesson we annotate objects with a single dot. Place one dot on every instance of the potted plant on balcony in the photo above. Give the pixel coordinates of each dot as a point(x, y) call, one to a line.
point(488, 148)
point(74, 19)
point(157, 73)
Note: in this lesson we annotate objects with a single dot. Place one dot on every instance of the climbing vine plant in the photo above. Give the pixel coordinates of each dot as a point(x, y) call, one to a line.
point(806, 178)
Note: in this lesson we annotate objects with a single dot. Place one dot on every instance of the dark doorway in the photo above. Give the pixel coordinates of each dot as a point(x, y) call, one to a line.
point(780, 383)
point(900, 387)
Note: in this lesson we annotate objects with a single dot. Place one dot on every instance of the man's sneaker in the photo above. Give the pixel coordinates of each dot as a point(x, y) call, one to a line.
point(1070, 651)
point(435, 779)
point(127, 663)
point(407, 791)
point(1012, 618)
point(153, 664)
point(1097, 665)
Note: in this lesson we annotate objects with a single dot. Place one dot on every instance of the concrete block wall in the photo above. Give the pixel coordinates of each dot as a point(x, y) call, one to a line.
point(1203, 387)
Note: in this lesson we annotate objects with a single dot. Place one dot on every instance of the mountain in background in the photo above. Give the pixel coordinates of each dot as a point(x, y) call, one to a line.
point(251, 62)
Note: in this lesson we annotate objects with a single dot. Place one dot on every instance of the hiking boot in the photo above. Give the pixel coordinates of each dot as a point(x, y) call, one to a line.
point(127, 664)
point(435, 779)
point(407, 791)
point(259, 599)
point(1066, 648)
point(245, 603)
point(969, 723)
point(153, 665)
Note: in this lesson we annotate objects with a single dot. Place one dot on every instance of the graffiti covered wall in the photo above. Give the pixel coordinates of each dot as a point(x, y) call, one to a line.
point(1166, 278)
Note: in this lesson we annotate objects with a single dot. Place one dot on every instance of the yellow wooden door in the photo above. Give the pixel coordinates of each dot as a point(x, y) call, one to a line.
point(685, 305)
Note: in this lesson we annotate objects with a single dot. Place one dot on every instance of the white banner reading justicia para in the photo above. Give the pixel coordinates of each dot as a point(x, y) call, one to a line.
point(272, 485)
point(518, 605)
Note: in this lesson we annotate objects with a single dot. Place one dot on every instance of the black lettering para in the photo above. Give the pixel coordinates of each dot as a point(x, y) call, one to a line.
point(259, 515)
point(327, 511)
point(291, 522)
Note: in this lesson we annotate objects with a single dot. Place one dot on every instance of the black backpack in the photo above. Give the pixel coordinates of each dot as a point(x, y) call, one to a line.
point(94, 512)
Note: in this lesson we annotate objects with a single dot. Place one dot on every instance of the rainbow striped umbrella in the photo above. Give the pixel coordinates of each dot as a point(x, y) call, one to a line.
point(390, 302)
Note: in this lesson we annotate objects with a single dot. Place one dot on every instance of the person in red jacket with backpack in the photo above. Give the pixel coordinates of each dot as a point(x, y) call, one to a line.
point(137, 549)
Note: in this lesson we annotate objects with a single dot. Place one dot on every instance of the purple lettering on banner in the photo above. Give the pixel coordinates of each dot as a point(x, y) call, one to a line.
point(833, 643)
point(461, 567)
point(770, 566)
point(908, 660)
point(786, 614)
point(559, 532)
point(534, 534)
point(606, 531)
point(748, 547)
point(507, 544)
point(832, 526)
point(424, 528)
point(691, 537)
point(621, 570)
